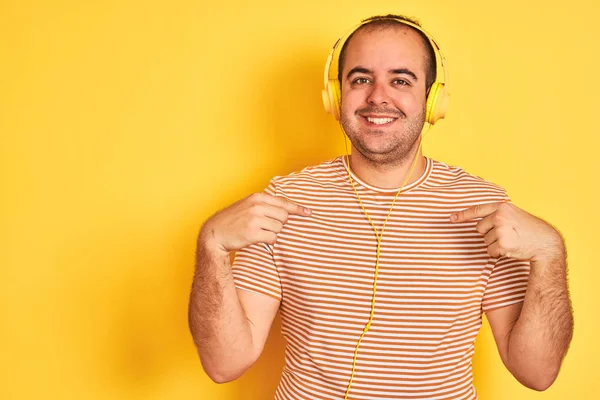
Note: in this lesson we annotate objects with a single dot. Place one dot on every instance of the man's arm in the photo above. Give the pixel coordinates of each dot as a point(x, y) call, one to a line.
point(532, 337)
point(230, 326)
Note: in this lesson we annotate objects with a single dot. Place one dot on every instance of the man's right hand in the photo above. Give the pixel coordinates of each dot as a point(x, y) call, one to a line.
point(256, 219)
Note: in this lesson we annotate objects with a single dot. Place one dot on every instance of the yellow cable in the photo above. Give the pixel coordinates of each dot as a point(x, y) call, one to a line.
point(379, 236)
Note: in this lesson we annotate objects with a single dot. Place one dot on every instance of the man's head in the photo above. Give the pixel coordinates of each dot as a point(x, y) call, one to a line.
point(385, 71)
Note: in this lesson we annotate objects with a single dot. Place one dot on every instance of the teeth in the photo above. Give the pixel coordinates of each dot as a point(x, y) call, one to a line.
point(380, 121)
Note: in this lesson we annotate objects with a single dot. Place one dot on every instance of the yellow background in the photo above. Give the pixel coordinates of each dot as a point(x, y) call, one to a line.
point(125, 124)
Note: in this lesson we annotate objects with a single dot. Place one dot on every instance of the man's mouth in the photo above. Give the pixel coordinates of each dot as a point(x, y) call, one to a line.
point(380, 120)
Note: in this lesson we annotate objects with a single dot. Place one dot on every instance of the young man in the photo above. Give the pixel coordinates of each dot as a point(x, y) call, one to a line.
point(381, 264)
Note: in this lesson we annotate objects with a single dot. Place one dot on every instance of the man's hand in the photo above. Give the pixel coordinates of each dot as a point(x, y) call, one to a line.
point(511, 232)
point(256, 219)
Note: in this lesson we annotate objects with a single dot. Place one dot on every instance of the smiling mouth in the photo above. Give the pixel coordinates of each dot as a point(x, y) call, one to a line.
point(380, 120)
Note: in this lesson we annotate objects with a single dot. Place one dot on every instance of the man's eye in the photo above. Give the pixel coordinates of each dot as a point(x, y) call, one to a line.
point(361, 81)
point(401, 82)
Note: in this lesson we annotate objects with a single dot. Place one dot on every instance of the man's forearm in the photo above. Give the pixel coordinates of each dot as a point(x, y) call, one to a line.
point(217, 320)
point(541, 336)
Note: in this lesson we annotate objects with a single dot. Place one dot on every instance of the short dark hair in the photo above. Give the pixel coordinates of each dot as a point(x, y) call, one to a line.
point(391, 20)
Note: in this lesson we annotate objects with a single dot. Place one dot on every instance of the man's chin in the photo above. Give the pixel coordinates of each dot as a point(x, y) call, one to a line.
point(375, 154)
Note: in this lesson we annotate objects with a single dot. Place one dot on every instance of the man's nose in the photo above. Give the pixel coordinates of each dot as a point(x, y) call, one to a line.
point(378, 94)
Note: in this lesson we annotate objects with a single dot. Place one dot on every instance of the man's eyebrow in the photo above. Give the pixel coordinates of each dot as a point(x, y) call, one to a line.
point(358, 70)
point(404, 71)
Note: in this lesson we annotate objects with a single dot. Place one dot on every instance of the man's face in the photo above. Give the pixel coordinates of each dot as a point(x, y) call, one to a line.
point(383, 93)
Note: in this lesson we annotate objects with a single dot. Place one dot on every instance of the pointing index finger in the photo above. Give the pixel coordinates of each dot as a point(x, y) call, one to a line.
point(288, 205)
point(479, 210)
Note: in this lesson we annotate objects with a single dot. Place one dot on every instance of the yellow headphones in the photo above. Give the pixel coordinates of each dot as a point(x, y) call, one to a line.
point(437, 98)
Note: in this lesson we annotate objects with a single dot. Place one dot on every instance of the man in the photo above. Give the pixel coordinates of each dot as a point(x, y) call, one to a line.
point(381, 271)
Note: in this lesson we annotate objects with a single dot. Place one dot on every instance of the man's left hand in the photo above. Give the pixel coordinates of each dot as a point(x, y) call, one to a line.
point(511, 232)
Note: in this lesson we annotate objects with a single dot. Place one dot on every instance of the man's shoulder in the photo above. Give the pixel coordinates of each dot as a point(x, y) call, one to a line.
point(329, 172)
point(454, 179)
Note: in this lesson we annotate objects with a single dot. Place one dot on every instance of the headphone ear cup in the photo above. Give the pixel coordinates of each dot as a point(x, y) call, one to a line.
point(327, 103)
point(437, 103)
point(336, 94)
point(331, 98)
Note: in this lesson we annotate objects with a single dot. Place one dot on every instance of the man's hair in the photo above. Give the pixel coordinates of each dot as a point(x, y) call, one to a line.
point(390, 21)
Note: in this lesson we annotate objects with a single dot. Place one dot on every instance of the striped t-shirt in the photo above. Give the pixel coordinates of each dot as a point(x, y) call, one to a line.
point(435, 280)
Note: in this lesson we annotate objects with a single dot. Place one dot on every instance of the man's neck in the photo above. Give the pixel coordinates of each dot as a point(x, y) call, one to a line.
point(388, 176)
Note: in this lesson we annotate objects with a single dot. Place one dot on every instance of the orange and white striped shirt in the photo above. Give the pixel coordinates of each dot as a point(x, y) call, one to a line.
point(435, 280)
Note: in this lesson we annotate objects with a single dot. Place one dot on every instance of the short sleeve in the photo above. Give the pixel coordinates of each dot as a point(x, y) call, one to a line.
point(254, 268)
point(508, 281)
point(507, 284)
